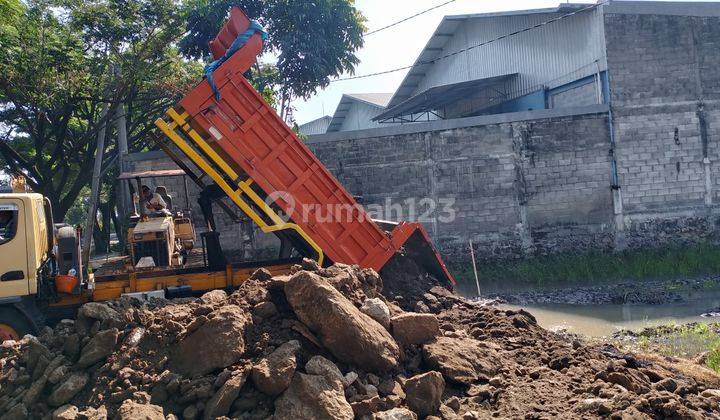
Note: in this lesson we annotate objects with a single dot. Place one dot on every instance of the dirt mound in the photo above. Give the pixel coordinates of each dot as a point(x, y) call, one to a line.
point(271, 348)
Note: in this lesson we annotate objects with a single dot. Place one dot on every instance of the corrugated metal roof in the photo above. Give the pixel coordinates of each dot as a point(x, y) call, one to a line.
point(378, 100)
point(439, 96)
point(445, 31)
point(316, 126)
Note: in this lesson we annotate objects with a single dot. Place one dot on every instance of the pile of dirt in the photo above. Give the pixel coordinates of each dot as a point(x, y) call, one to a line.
point(327, 343)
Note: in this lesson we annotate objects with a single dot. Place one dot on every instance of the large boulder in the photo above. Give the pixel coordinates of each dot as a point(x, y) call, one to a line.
point(68, 389)
point(215, 345)
point(415, 328)
point(424, 392)
point(220, 403)
point(130, 410)
point(272, 374)
point(350, 335)
point(463, 360)
point(98, 348)
point(313, 397)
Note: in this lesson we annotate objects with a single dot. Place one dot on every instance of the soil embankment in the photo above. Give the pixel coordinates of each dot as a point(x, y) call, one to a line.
point(332, 343)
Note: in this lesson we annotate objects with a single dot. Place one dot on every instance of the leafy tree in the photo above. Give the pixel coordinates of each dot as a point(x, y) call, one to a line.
point(313, 40)
point(61, 64)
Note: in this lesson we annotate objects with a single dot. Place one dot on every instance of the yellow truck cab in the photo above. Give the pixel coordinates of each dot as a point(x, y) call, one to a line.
point(24, 246)
point(26, 240)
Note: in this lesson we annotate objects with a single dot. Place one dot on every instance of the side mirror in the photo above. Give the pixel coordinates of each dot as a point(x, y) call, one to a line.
point(12, 275)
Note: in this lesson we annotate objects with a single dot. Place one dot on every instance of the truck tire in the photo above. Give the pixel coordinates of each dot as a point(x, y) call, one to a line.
point(14, 324)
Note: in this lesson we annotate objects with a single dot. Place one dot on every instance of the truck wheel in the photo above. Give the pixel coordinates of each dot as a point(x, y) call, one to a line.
point(13, 324)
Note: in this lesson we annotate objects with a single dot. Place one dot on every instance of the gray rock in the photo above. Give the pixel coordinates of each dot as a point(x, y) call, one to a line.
point(214, 297)
point(414, 328)
point(309, 265)
point(68, 389)
point(66, 412)
point(58, 374)
point(101, 312)
point(99, 347)
point(272, 375)
point(265, 310)
point(424, 392)
point(17, 412)
point(313, 397)
point(33, 393)
point(131, 410)
point(92, 413)
point(376, 309)
point(220, 403)
point(395, 414)
point(217, 344)
point(463, 360)
point(190, 412)
point(318, 365)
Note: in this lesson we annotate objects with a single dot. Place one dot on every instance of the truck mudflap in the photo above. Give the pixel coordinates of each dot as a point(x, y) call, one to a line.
point(231, 134)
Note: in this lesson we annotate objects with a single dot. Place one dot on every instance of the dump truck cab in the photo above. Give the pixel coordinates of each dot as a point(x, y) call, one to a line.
point(25, 242)
point(26, 260)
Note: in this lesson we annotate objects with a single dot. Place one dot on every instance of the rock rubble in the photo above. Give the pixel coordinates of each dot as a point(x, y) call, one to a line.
point(332, 343)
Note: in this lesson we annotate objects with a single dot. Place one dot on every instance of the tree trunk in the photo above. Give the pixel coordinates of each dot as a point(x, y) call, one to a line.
point(100, 238)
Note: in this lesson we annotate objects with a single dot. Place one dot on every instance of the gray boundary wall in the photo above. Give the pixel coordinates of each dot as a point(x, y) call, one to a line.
point(518, 183)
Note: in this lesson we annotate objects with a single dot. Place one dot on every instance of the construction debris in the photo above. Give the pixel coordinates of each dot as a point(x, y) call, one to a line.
point(327, 343)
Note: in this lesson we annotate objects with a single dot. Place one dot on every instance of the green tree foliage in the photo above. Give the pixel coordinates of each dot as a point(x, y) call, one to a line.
point(313, 40)
point(60, 63)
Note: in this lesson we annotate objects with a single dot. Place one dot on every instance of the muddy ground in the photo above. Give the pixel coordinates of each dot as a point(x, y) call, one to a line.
point(337, 342)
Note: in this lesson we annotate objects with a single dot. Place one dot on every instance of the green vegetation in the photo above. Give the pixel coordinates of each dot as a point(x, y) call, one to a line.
point(689, 341)
point(592, 268)
point(69, 68)
point(312, 41)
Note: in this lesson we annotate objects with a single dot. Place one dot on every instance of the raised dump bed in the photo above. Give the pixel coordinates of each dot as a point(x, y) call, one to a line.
point(238, 140)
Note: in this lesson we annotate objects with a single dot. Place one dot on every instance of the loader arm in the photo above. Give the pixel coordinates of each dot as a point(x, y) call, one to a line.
point(233, 136)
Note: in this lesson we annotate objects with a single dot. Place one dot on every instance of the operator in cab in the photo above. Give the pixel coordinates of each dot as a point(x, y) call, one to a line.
point(7, 225)
point(153, 201)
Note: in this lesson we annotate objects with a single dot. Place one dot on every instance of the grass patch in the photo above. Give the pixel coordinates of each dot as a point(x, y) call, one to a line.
point(686, 341)
point(592, 268)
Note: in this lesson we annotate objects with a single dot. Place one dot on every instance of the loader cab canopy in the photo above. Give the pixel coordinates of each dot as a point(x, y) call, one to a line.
point(137, 181)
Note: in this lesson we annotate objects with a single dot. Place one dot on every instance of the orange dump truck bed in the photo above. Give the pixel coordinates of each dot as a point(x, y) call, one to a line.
point(252, 154)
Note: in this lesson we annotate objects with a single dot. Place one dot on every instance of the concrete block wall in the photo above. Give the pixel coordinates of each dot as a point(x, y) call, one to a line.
point(537, 186)
point(665, 91)
point(566, 169)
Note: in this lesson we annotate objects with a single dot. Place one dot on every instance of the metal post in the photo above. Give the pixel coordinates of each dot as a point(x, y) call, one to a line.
point(472, 256)
point(143, 210)
point(123, 193)
point(95, 186)
point(187, 196)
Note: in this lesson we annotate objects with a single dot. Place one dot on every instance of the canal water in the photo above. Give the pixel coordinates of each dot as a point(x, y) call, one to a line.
point(603, 320)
